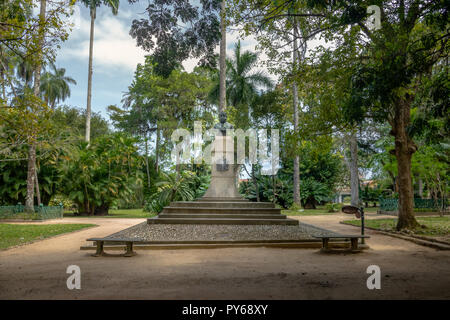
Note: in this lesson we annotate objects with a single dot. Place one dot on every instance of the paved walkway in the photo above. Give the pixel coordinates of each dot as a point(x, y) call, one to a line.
point(38, 270)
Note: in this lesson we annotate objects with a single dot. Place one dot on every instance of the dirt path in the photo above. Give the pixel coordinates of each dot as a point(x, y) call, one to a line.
point(38, 270)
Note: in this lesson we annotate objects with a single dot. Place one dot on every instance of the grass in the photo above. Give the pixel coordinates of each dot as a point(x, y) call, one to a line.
point(116, 213)
point(17, 234)
point(321, 210)
point(434, 226)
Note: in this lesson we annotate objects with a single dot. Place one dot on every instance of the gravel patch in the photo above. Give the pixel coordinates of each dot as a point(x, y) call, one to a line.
point(200, 232)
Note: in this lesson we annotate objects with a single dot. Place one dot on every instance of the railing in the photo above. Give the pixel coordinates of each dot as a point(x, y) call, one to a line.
point(391, 204)
point(40, 212)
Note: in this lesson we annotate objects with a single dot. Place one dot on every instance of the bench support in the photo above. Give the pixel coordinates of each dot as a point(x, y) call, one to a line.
point(129, 250)
point(325, 243)
point(354, 242)
point(100, 251)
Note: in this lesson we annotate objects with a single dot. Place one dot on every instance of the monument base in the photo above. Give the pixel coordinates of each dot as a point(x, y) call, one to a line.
point(224, 211)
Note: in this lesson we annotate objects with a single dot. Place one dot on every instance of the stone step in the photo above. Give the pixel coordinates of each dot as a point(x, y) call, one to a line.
point(215, 199)
point(158, 220)
point(222, 216)
point(194, 210)
point(222, 204)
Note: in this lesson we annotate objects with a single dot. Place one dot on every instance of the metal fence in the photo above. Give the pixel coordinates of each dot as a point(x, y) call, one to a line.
point(390, 204)
point(40, 212)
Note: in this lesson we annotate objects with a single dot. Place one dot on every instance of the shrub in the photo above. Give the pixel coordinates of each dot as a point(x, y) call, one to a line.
point(333, 207)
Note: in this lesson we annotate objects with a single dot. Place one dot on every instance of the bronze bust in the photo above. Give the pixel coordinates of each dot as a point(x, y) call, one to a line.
point(222, 126)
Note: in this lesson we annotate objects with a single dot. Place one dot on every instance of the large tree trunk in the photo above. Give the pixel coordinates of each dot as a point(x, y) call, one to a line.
point(38, 193)
point(222, 59)
point(296, 177)
point(404, 149)
point(354, 176)
point(29, 200)
point(89, 90)
point(31, 172)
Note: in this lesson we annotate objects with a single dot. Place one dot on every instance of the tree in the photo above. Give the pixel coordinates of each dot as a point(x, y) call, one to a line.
point(412, 38)
point(92, 5)
point(55, 85)
point(242, 83)
point(177, 30)
point(156, 105)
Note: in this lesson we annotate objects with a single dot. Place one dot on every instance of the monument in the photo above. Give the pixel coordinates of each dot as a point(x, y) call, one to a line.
point(222, 203)
point(224, 172)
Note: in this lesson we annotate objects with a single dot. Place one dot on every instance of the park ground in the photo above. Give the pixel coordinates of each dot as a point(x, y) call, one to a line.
point(38, 270)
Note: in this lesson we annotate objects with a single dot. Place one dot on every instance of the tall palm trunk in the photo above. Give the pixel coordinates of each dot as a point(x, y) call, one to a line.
point(31, 172)
point(296, 195)
point(222, 59)
point(89, 90)
point(354, 177)
point(157, 150)
point(2, 75)
point(146, 162)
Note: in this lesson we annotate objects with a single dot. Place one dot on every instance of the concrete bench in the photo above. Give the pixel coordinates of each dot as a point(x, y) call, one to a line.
point(353, 239)
point(101, 241)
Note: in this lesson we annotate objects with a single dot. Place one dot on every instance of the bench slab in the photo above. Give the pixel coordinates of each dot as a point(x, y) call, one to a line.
point(343, 236)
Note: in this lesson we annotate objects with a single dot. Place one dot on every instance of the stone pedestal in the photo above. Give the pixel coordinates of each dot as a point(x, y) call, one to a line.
point(224, 172)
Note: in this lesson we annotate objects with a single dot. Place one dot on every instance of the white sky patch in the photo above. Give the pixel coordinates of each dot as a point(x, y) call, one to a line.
point(113, 46)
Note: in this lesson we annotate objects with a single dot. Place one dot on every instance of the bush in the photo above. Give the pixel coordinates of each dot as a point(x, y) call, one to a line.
point(65, 201)
point(333, 207)
point(295, 207)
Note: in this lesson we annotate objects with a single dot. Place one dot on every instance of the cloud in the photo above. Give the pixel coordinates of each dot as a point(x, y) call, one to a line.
point(113, 46)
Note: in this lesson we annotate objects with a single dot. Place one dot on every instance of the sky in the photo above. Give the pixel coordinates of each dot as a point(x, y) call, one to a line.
point(115, 55)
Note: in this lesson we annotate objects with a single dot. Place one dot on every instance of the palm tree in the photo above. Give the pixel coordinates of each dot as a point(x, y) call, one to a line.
point(55, 85)
point(242, 84)
point(92, 5)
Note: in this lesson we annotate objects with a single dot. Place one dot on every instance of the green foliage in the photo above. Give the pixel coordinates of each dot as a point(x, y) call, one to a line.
point(55, 147)
point(155, 106)
point(177, 30)
point(102, 172)
point(242, 83)
point(186, 186)
point(333, 207)
point(313, 192)
point(320, 172)
point(368, 194)
point(55, 85)
point(276, 189)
